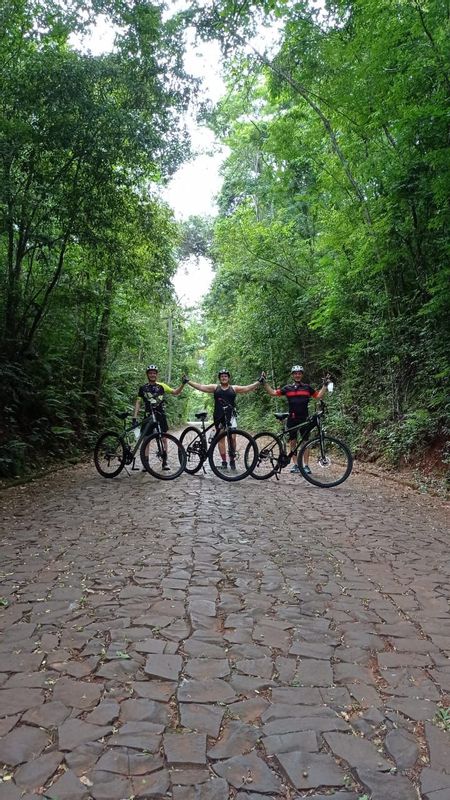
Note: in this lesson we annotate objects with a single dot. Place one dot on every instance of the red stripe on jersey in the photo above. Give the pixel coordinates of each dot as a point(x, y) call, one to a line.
point(298, 393)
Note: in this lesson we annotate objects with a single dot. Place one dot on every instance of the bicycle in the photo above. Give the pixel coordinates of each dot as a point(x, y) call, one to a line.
point(161, 454)
point(237, 443)
point(323, 461)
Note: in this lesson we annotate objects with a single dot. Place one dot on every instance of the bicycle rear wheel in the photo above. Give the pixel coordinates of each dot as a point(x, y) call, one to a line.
point(325, 463)
point(268, 461)
point(163, 456)
point(109, 454)
point(240, 454)
point(192, 441)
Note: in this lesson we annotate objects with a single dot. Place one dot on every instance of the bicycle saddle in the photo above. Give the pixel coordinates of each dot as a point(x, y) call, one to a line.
point(283, 415)
point(201, 415)
point(122, 414)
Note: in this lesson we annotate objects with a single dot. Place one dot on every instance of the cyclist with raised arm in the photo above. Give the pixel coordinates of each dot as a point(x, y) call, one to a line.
point(224, 404)
point(298, 395)
point(152, 392)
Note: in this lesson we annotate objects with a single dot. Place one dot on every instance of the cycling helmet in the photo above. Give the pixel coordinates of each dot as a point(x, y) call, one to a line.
point(223, 372)
point(152, 366)
point(297, 368)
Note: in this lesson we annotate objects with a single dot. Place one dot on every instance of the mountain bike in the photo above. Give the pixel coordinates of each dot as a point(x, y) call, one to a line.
point(238, 443)
point(323, 460)
point(161, 454)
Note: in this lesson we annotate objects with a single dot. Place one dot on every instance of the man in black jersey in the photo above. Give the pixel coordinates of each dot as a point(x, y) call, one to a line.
point(298, 395)
point(224, 404)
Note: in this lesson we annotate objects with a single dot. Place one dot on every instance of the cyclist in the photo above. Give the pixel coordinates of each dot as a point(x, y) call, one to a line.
point(224, 404)
point(298, 395)
point(154, 390)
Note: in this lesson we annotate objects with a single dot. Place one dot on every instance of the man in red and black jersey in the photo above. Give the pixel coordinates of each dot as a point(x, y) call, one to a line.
point(298, 395)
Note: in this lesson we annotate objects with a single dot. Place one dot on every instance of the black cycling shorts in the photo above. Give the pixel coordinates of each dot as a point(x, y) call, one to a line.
point(163, 424)
point(294, 423)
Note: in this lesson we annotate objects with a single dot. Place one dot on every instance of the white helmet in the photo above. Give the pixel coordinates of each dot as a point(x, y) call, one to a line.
point(297, 368)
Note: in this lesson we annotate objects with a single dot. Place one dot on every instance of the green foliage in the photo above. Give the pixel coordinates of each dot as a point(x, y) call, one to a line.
point(87, 249)
point(331, 245)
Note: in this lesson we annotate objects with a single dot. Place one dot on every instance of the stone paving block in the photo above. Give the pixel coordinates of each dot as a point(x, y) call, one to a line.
point(163, 666)
point(189, 776)
point(185, 748)
point(259, 667)
point(382, 786)
point(125, 761)
point(105, 713)
point(214, 690)
point(74, 732)
point(365, 695)
point(34, 774)
point(7, 724)
point(214, 789)
point(248, 710)
point(312, 672)
point(153, 785)
point(69, 787)
point(207, 668)
point(414, 709)
point(107, 786)
point(22, 744)
point(138, 735)
point(83, 758)
point(435, 784)
point(403, 747)
point(311, 770)
point(77, 694)
point(155, 690)
point(9, 791)
point(22, 662)
point(291, 742)
point(356, 751)
point(317, 723)
point(13, 701)
point(144, 711)
point(202, 718)
point(243, 771)
point(438, 743)
point(297, 696)
point(237, 738)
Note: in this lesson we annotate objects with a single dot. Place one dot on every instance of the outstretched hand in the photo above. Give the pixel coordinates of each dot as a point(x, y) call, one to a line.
point(262, 377)
point(184, 379)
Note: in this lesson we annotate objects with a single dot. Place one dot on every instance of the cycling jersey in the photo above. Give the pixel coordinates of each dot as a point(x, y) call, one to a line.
point(222, 399)
point(298, 396)
point(155, 391)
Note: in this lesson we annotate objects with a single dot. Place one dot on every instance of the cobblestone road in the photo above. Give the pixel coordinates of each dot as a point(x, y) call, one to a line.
point(202, 641)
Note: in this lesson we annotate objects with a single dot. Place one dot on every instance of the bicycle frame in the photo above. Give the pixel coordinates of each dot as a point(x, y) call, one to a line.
point(314, 421)
point(150, 424)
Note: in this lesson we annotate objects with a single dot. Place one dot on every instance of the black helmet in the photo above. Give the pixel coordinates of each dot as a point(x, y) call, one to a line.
point(152, 366)
point(223, 372)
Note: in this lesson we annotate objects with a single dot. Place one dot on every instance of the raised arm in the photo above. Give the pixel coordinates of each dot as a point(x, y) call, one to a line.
point(202, 387)
point(245, 389)
point(269, 390)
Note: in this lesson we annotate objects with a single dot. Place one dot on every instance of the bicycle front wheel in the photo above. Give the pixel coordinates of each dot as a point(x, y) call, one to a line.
point(325, 462)
point(163, 456)
point(237, 450)
point(269, 448)
point(192, 441)
point(109, 454)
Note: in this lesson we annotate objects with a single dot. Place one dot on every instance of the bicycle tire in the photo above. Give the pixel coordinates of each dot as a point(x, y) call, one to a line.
point(109, 454)
point(238, 452)
point(164, 463)
point(270, 448)
point(330, 472)
point(194, 448)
